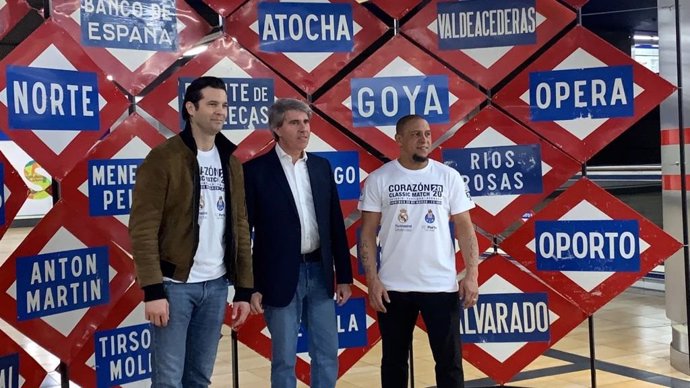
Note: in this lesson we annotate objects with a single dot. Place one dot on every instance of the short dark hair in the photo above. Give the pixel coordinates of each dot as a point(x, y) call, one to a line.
point(193, 93)
point(403, 121)
point(276, 113)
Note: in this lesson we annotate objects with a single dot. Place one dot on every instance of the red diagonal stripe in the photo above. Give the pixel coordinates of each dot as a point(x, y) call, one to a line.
point(672, 136)
point(672, 182)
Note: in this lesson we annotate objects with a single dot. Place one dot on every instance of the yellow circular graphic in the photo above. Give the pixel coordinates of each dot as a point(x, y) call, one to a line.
point(32, 174)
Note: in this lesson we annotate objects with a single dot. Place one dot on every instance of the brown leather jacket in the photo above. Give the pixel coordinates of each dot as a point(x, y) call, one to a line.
point(163, 222)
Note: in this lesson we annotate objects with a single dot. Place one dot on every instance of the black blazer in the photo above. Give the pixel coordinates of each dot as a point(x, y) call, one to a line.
point(275, 223)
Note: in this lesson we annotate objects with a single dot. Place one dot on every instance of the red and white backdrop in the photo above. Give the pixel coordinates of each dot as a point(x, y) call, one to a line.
point(518, 98)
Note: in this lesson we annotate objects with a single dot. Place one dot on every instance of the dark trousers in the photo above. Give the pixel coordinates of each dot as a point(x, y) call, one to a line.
point(441, 314)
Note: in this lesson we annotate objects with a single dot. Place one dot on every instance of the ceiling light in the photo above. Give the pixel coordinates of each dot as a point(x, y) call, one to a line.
point(653, 38)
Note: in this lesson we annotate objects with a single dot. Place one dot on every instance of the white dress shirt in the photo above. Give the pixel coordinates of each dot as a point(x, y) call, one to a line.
point(298, 178)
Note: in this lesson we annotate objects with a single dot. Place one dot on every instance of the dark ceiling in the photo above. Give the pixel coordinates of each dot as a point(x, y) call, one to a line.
point(620, 15)
point(608, 18)
point(604, 15)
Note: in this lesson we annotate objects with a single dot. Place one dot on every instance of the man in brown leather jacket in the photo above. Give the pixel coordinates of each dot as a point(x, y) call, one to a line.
point(190, 239)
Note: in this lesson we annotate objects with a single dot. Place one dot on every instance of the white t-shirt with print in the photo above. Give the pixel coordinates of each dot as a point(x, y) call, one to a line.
point(208, 260)
point(418, 251)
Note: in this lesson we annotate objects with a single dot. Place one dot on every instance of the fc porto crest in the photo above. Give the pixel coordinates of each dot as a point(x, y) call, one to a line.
point(430, 217)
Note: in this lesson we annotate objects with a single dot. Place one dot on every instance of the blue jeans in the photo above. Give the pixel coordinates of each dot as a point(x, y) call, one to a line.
point(315, 307)
point(184, 351)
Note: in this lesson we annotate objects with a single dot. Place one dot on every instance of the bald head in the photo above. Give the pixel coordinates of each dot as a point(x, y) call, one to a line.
point(405, 122)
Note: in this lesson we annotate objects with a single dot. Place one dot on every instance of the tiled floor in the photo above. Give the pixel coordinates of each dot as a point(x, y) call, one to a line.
point(631, 333)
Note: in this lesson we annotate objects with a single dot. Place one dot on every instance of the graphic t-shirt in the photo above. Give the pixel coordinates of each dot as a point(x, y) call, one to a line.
point(417, 249)
point(208, 260)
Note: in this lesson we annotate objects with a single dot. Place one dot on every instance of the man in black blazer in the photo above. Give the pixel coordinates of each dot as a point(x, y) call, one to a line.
point(300, 251)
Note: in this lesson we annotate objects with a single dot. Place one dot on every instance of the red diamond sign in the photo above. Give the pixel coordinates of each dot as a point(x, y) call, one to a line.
point(589, 246)
point(14, 193)
point(516, 319)
point(252, 89)
point(11, 11)
point(61, 282)
point(118, 352)
point(55, 103)
point(357, 334)
point(133, 42)
point(17, 367)
point(582, 93)
point(224, 7)
point(507, 168)
point(306, 42)
point(396, 8)
point(486, 55)
point(100, 186)
point(353, 233)
point(397, 80)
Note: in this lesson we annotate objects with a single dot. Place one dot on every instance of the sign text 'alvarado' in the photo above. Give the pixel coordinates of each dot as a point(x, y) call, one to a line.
point(518, 317)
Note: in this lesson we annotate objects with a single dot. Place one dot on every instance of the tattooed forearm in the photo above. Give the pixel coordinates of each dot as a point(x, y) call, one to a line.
point(367, 243)
point(467, 238)
point(365, 255)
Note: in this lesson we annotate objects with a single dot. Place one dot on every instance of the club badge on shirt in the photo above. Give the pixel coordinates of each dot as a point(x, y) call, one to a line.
point(403, 217)
point(430, 217)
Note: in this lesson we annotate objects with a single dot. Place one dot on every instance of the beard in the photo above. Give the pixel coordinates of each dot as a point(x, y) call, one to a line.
point(419, 159)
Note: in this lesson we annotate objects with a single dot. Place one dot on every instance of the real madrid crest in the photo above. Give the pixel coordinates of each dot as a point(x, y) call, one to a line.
point(402, 216)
